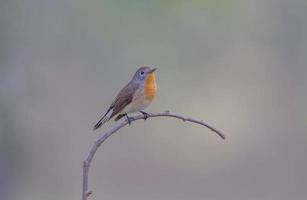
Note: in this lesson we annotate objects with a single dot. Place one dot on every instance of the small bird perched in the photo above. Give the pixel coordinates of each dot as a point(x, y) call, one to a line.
point(134, 97)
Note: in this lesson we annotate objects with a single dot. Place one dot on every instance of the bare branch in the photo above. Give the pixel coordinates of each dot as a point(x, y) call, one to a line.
point(88, 161)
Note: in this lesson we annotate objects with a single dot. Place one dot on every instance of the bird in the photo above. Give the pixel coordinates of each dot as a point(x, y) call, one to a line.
point(134, 97)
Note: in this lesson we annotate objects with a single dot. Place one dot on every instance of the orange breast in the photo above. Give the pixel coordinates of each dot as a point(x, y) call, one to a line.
point(150, 87)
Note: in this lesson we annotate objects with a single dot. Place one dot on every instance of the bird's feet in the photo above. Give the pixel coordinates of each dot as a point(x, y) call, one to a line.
point(129, 119)
point(145, 115)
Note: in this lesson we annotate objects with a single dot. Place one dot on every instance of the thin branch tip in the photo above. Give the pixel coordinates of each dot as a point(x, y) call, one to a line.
point(89, 193)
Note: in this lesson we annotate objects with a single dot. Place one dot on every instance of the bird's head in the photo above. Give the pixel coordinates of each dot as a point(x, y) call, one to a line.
point(142, 73)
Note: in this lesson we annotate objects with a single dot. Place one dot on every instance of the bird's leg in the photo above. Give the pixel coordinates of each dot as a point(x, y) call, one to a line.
point(145, 115)
point(129, 119)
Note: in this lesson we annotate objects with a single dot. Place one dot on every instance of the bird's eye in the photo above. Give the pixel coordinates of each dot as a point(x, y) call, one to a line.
point(142, 72)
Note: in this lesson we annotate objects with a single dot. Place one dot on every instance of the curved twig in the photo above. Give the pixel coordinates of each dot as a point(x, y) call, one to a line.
point(87, 162)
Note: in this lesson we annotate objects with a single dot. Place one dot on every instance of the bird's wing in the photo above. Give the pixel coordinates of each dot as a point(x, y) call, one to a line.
point(124, 97)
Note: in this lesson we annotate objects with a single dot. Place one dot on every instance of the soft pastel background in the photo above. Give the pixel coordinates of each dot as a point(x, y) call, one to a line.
point(240, 65)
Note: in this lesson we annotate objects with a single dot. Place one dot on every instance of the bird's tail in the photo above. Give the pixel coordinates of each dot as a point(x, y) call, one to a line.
point(104, 119)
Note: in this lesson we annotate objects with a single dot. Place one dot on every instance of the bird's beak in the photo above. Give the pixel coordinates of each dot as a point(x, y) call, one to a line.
point(152, 70)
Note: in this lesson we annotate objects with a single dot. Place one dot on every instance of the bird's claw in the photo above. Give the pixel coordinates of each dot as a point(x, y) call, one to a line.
point(129, 119)
point(145, 115)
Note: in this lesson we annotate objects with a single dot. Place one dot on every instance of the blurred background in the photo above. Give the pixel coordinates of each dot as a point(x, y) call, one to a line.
point(239, 65)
